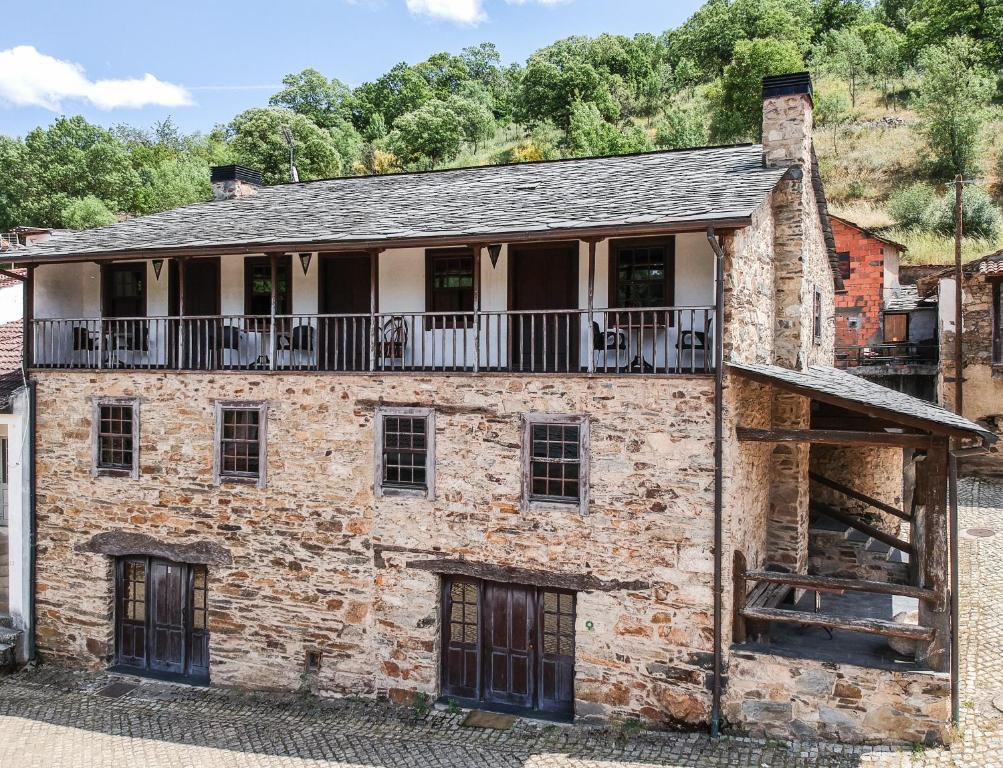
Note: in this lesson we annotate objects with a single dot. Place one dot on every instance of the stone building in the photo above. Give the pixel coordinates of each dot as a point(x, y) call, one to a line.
point(536, 437)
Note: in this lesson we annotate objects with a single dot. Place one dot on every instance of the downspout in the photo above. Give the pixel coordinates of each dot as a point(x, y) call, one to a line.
point(952, 487)
point(715, 716)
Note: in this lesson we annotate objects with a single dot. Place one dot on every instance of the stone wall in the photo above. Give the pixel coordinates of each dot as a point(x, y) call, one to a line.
point(319, 564)
point(749, 298)
point(774, 696)
point(875, 472)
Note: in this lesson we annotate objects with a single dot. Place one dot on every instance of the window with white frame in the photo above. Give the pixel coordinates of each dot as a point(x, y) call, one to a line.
point(405, 452)
point(115, 437)
point(240, 449)
point(555, 460)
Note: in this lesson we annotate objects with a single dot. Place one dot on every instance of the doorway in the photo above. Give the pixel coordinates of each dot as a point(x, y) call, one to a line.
point(161, 618)
point(544, 277)
point(204, 339)
point(345, 284)
point(508, 646)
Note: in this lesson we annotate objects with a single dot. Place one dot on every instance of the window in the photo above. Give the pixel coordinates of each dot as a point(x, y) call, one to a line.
point(449, 286)
point(997, 322)
point(817, 316)
point(405, 452)
point(896, 328)
point(258, 285)
point(844, 264)
point(240, 442)
point(124, 290)
point(555, 466)
point(641, 273)
point(115, 437)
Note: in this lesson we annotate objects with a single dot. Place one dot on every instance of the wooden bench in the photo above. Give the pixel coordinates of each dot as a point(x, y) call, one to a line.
point(764, 595)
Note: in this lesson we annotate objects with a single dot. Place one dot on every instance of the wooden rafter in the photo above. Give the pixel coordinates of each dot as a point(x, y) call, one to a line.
point(833, 437)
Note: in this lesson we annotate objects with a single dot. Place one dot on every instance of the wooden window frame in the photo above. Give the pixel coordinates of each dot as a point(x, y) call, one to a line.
point(529, 501)
point(997, 339)
point(816, 316)
point(219, 476)
point(844, 257)
point(436, 254)
point(616, 246)
point(381, 490)
point(285, 261)
point(107, 272)
point(97, 470)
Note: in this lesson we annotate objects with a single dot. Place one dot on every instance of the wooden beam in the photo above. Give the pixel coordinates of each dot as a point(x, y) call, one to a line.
point(592, 289)
point(28, 323)
point(382, 244)
point(831, 584)
point(507, 574)
point(934, 531)
point(854, 494)
point(867, 626)
point(273, 339)
point(13, 275)
point(833, 437)
point(867, 528)
point(478, 250)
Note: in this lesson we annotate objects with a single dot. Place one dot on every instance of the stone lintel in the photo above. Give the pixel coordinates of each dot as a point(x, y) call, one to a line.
point(123, 543)
point(508, 574)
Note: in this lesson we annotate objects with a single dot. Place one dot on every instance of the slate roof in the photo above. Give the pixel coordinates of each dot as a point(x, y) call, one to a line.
point(906, 299)
point(713, 183)
point(856, 390)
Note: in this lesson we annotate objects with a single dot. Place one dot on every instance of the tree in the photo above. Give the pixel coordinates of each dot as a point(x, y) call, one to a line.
point(476, 121)
point(737, 104)
point(979, 217)
point(832, 112)
point(326, 102)
point(829, 15)
point(848, 57)
point(681, 127)
point(935, 22)
point(86, 213)
point(953, 100)
point(885, 46)
point(399, 91)
point(590, 135)
point(14, 186)
point(445, 74)
point(73, 159)
point(427, 136)
point(255, 138)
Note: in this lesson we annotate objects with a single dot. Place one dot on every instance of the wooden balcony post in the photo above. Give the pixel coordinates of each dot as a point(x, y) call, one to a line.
point(592, 290)
point(478, 253)
point(274, 336)
point(182, 330)
point(936, 614)
point(28, 286)
point(374, 304)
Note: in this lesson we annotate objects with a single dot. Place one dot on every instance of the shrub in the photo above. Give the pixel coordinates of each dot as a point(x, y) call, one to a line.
point(86, 213)
point(908, 206)
point(681, 127)
point(980, 217)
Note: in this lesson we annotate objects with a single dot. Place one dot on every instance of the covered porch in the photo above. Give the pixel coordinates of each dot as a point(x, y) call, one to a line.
point(643, 304)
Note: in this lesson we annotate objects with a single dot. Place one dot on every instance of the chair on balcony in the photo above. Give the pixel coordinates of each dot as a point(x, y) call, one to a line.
point(604, 342)
point(696, 349)
point(393, 341)
point(296, 350)
point(224, 344)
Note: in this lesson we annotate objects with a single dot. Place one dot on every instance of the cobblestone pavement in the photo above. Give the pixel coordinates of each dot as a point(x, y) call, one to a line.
point(51, 717)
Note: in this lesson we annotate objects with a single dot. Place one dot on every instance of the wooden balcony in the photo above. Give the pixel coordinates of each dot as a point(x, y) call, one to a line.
point(658, 341)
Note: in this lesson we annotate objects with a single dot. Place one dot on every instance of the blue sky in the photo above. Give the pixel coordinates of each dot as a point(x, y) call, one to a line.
point(202, 62)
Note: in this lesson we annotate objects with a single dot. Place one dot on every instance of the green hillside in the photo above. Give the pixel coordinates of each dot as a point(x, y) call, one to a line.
point(907, 96)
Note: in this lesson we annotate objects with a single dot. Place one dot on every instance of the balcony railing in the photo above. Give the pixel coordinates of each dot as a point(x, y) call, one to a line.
point(666, 340)
point(899, 353)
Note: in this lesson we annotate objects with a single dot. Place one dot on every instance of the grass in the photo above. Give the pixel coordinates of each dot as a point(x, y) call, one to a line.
point(933, 248)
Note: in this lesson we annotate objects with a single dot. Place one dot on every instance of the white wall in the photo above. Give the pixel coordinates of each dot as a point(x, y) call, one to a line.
point(11, 303)
point(18, 489)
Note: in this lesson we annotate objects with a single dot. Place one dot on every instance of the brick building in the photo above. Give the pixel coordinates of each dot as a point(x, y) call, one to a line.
point(537, 438)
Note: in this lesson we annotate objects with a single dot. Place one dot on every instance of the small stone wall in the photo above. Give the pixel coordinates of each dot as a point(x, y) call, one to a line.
point(874, 472)
point(771, 696)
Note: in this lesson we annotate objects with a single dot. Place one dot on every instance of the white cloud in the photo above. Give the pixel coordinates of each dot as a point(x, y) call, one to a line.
point(462, 11)
point(30, 78)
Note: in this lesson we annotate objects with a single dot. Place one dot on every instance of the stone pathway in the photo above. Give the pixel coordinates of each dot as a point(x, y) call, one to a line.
point(51, 718)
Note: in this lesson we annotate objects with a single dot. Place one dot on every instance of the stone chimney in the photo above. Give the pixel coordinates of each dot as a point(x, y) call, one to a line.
point(787, 120)
point(232, 181)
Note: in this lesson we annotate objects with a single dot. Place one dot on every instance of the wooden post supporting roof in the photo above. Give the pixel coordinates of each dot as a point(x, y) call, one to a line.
point(937, 653)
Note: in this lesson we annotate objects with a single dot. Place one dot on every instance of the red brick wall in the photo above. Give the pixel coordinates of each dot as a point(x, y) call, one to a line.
point(864, 289)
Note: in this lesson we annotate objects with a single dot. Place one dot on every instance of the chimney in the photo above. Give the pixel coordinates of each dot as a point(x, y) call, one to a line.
point(232, 181)
point(787, 120)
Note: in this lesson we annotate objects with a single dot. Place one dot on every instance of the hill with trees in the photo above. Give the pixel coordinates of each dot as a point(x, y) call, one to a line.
point(907, 96)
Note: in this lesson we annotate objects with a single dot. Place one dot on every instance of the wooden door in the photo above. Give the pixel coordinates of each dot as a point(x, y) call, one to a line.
point(203, 339)
point(345, 282)
point(508, 646)
point(161, 617)
point(168, 587)
point(543, 277)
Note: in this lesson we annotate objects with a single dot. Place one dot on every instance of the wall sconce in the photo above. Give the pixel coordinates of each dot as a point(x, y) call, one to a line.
point(158, 264)
point(305, 261)
point(494, 251)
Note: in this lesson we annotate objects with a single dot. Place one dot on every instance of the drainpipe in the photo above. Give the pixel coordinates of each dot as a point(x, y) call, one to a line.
point(715, 716)
point(955, 621)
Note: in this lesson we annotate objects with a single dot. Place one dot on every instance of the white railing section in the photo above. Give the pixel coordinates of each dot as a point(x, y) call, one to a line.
point(665, 340)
